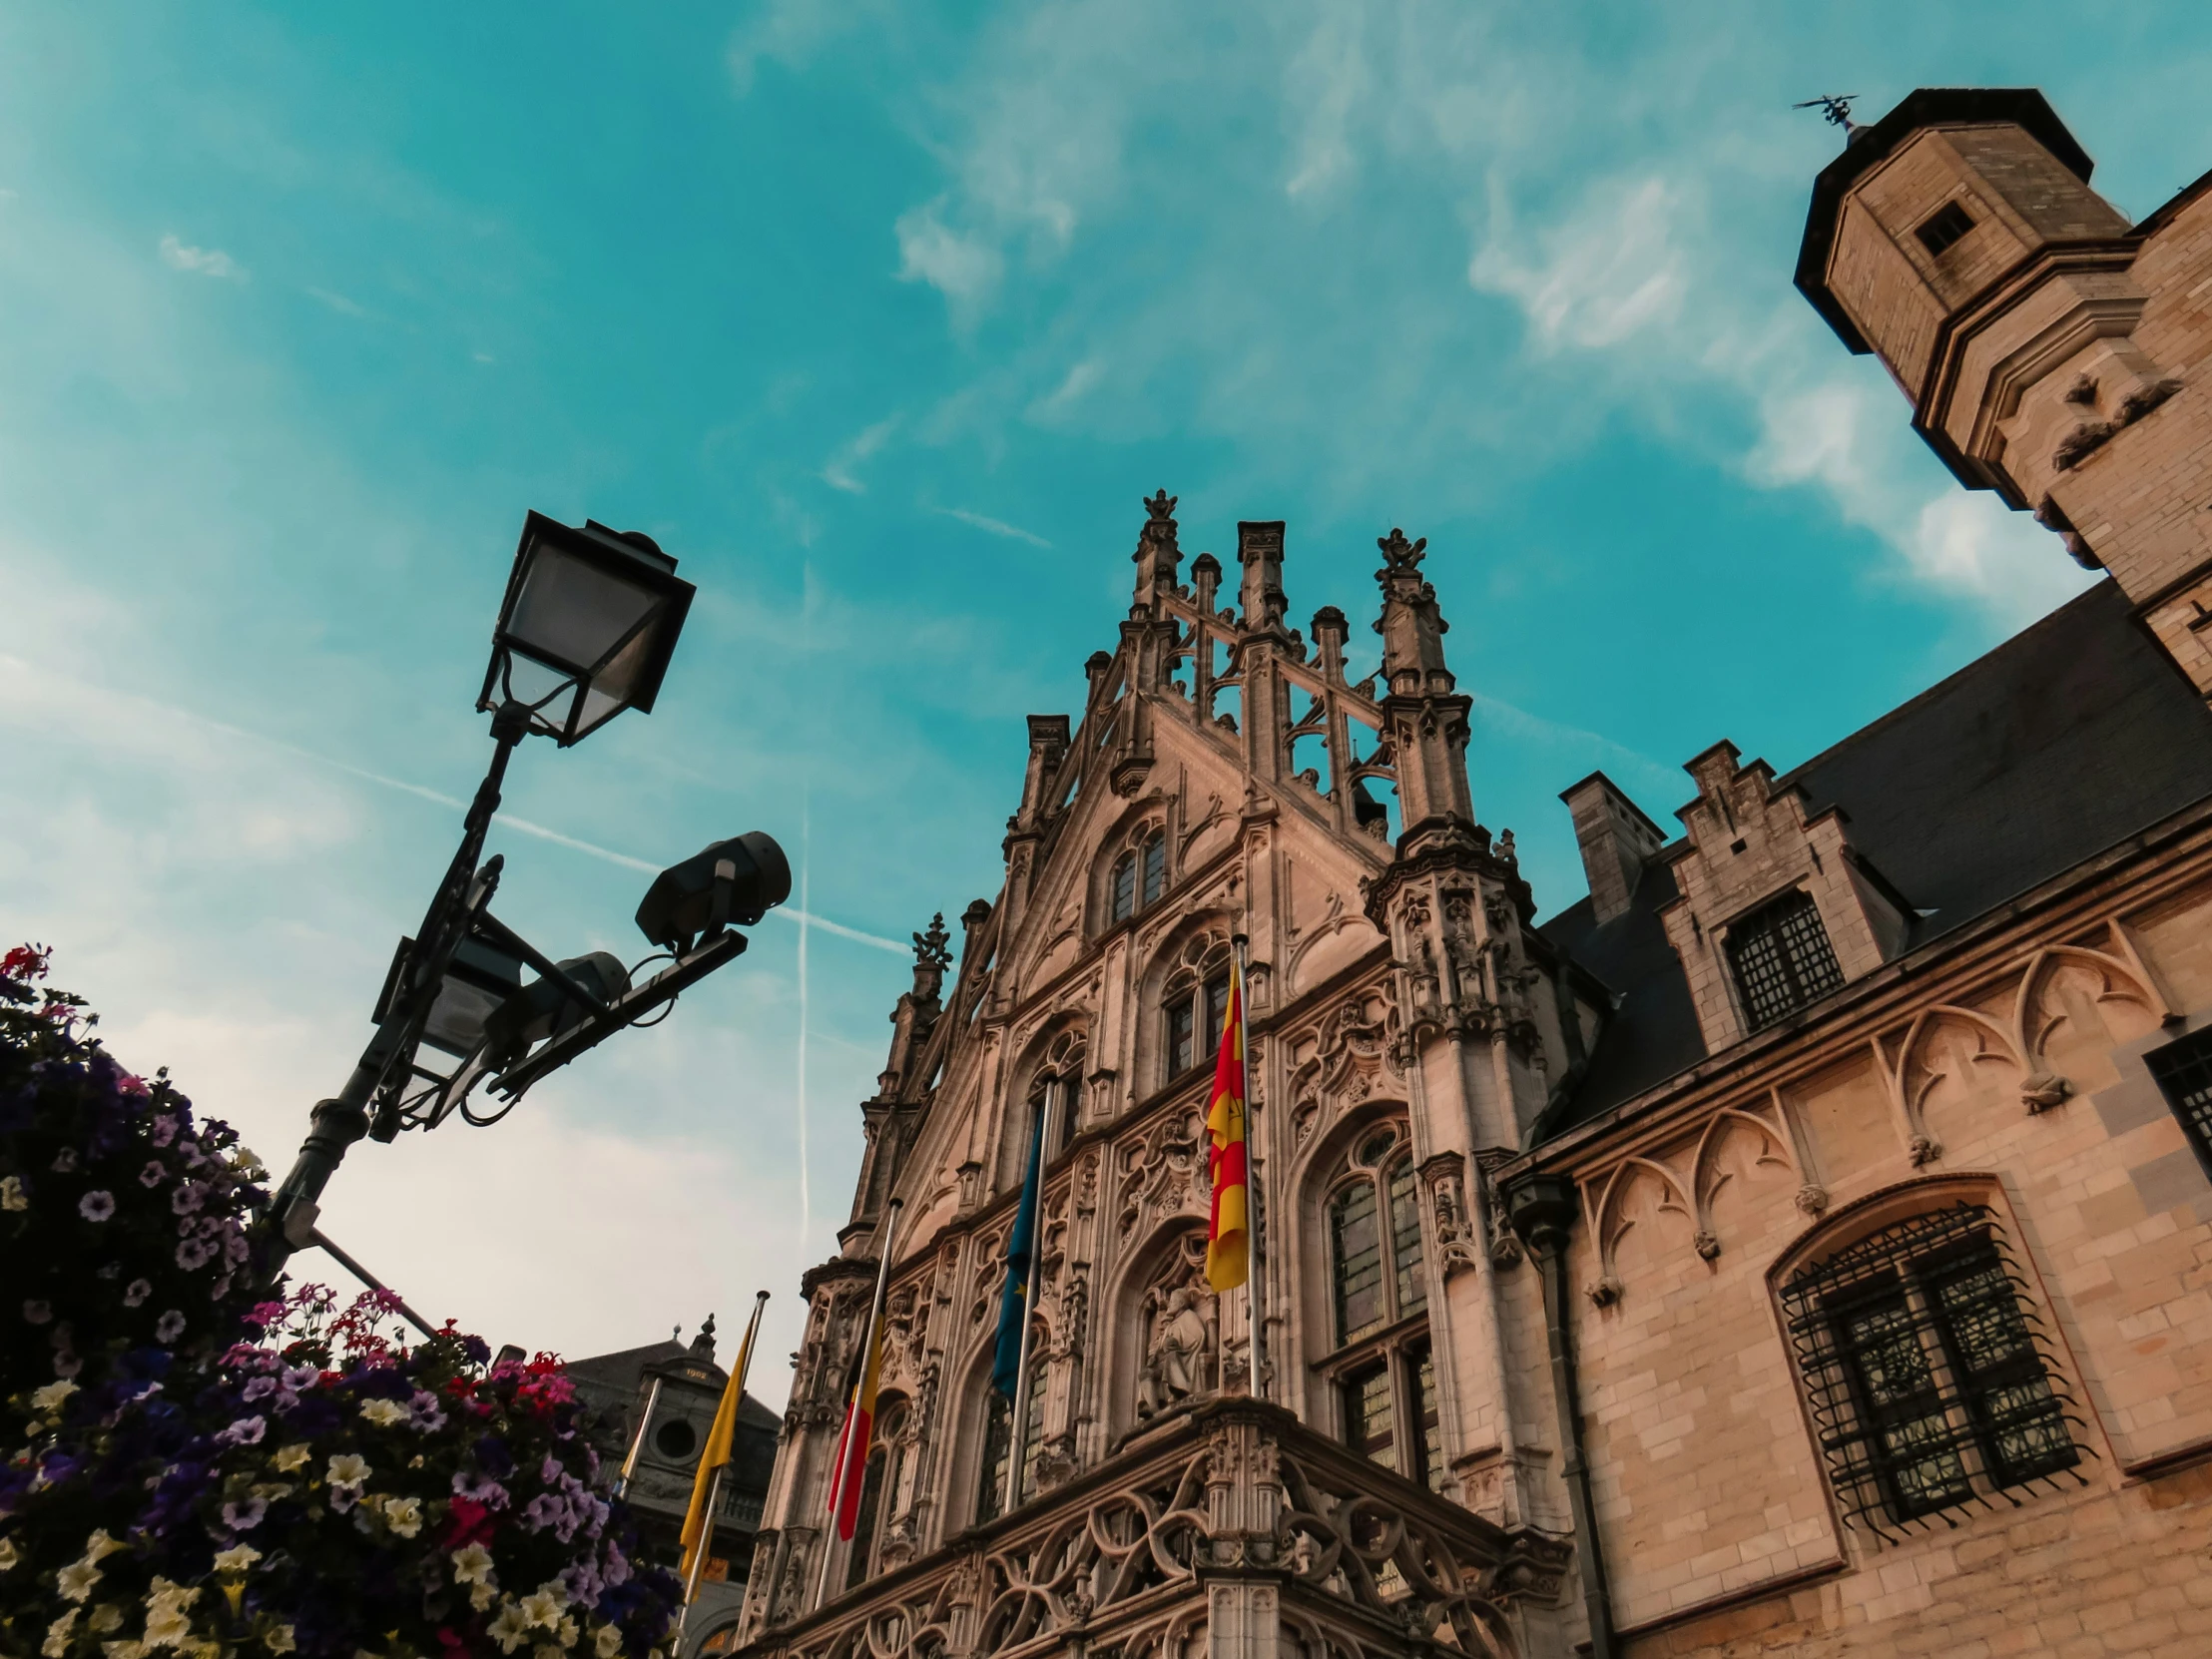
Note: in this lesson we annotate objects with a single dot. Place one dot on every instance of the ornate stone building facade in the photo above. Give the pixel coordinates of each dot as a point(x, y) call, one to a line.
point(1800, 1244)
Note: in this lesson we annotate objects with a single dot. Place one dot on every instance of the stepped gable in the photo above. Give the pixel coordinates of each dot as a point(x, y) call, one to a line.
point(2064, 740)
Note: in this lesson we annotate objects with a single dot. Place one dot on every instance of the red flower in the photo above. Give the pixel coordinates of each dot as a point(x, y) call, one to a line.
point(471, 1524)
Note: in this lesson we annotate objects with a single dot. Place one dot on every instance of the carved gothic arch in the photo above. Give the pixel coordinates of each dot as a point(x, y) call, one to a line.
point(1705, 1175)
point(1610, 1222)
point(1128, 832)
point(2118, 980)
point(1914, 1075)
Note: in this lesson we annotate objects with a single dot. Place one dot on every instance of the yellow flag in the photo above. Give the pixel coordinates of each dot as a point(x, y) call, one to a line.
point(699, 1531)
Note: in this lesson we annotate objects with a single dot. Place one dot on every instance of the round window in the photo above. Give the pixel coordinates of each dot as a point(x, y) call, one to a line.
point(676, 1439)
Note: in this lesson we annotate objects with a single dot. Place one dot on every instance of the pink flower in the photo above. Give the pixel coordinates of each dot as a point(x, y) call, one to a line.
point(130, 1083)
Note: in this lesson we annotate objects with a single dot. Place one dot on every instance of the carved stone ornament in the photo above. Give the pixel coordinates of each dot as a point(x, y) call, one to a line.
point(2044, 1090)
point(1811, 1199)
point(1178, 1349)
point(1708, 1246)
point(1922, 1149)
point(1604, 1292)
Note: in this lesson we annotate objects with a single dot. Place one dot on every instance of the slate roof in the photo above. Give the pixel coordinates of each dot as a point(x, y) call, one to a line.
point(616, 1376)
point(2066, 740)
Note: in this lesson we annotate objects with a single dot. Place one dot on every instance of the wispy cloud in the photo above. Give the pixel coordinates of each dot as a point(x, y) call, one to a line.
point(840, 472)
point(962, 267)
point(337, 301)
point(1078, 381)
point(991, 526)
point(204, 262)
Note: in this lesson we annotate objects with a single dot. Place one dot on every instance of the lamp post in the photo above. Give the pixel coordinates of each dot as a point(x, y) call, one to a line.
point(586, 630)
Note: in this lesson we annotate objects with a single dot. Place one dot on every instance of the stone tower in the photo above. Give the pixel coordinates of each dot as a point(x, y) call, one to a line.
point(2053, 350)
point(1226, 776)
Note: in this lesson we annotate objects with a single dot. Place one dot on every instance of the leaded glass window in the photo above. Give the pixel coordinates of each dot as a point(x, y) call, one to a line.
point(1781, 959)
point(998, 1442)
point(1124, 902)
point(1356, 1242)
point(1371, 1427)
point(1929, 1382)
point(1155, 869)
point(2184, 1073)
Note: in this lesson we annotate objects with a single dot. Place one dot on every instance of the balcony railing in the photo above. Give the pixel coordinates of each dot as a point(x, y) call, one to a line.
point(1231, 1509)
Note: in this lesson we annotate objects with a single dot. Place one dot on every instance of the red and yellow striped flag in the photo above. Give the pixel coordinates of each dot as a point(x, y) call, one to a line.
point(850, 1466)
point(1227, 1244)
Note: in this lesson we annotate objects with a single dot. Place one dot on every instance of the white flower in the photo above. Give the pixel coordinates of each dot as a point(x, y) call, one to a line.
point(237, 1558)
point(347, 1469)
point(609, 1642)
point(566, 1631)
point(542, 1606)
point(96, 1205)
point(279, 1639)
point(123, 1650)
point(50, 1397)
point(481, 1596)
point(12, 1195)
point(383, 1412)
point(100, 1546)
point(507, 1629)
point(403, 1515)
point(168, 1619)
point(105, 1618)
point(472, 1564)
point(57, 1635)
point(290, 1458)
point(76, 1580)
point(8, 1557)
point(168, 1326)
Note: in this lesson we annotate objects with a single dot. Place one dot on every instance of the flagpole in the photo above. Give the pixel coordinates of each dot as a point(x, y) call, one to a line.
point(1256, 1290)
point(637, 1441)
point(714, 1486)
point(1017, 1421)
point(867, 1348)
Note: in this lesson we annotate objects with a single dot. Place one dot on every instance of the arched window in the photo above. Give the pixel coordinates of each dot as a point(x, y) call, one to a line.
point(1919, 1352)
point(990, 1497)
point(879, 1493)
point(1139, 879)
point(1385, 1376)
point(1192, 1007)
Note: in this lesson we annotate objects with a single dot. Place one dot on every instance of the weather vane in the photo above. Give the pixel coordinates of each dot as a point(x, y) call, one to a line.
point(1835, 105)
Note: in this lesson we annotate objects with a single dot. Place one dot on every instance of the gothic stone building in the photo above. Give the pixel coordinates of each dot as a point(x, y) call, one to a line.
point(1798, 1244)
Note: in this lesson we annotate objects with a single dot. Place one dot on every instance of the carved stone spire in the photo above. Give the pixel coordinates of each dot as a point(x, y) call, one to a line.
point(1158, 558)
point(1259, 551)
point(1427, 719)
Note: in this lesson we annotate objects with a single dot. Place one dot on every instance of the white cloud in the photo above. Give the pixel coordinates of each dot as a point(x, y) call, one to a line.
point(337, 301)
point(991, 526)
point(1078, 381)
point(205, 262)
point(838, 472)
point(1609, 270)
point(965, 269)
point(1322, 85)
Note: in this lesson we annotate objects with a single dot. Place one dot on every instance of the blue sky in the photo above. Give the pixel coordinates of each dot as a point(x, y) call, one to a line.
point(881, 318)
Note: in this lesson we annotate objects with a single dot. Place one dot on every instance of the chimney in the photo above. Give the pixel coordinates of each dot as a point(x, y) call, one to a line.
point(1617, 841)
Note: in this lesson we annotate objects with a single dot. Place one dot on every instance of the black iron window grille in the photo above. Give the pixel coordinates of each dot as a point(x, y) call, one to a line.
point(2183, 1071)
point(1929, 1371)
point(1781, 959)
point(1943, 228)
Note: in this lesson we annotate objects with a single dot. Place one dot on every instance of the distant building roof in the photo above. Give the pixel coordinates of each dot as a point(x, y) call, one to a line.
point(623, 1372)
point(2064, 740)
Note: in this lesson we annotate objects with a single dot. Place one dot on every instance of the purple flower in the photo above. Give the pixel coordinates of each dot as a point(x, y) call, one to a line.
point(582, 1582)
point(38, 1313)
point(425, 1411)
point(344, 1498)
point(551, 1471)
point(168, 1326)
point(191, 1255)
point(545, 1510)
point(68, 1364)
point(244, 1517)
point(300, 1377)
point(245, 1432)
point(137, 1291)
point(259, 1387)
point(480, 1488)
point(187, 1198)
point(153, 1175)
point(617, 1571)
point(165, 1129)
point(95, 1205)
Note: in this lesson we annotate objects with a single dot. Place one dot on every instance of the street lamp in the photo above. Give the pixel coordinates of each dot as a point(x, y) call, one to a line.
point(586, 630)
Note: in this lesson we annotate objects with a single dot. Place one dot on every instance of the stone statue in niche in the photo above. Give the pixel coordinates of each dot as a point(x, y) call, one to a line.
point(1175, 1347)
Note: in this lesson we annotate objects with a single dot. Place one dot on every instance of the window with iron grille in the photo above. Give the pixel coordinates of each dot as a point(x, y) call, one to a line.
point(1925, 1367)
point(2184, 1073)
point(1781, 959)
point(1943, 228)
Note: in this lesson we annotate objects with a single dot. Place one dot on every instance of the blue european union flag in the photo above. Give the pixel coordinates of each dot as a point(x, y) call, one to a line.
point(1013, 1302)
